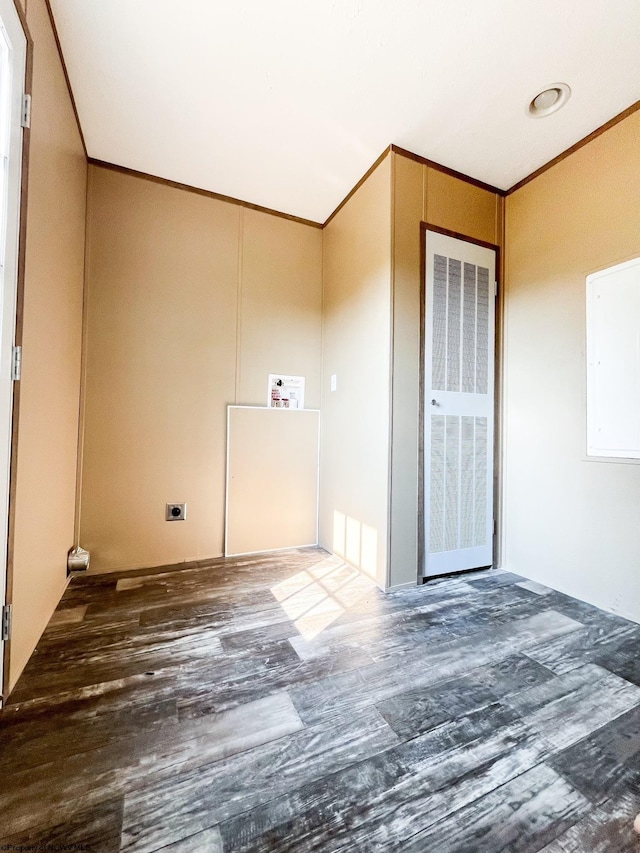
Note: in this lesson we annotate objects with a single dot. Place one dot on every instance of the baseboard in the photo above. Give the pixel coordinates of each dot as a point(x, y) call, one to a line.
point(399, 586)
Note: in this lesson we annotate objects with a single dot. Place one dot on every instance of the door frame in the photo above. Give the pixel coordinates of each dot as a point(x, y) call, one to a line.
point(15, 417)
point(497, 435)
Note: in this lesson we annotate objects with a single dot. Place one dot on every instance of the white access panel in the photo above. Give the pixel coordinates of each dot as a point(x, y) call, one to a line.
point(272, 479)
point(459, 404)
point(613, 361)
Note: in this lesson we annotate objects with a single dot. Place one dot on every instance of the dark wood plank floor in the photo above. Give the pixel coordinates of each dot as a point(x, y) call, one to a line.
point(282, 703)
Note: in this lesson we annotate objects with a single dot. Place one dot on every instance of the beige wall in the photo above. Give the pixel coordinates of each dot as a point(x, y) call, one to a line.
point(192, 302)
point(356, 347)
point(371, 340)
point(570, 523)
point(48, 422)
point(280, 306)
point(420, 193)
point(460, 206)
point(408, 196)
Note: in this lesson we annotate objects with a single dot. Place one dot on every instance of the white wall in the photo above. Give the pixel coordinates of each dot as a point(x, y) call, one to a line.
point(570, 523)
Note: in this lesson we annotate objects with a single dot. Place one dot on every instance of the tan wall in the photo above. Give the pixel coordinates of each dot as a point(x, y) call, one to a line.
point(420, 193)
point(356, 347)
point(48, 423)
point(280, 306)
point(192, 302)
point(408, 200)
point(461, 206)
point(570, 523)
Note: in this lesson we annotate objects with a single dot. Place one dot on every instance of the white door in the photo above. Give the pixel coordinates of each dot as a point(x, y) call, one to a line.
point(13, 51)
point(458, 404)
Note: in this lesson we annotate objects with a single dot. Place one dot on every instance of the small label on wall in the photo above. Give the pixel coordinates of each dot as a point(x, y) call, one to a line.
point(334, 381)
point(285, 392)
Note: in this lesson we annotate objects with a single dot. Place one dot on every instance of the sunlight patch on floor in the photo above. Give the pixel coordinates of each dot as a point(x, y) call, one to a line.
point(316, 597)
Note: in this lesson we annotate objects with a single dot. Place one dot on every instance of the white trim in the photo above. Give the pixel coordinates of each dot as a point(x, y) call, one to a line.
point(11, 148)
point(318, 475)
point(399, 586)
point(226, 483)
point(623, 460)
point(458, 403)
point(271, 408)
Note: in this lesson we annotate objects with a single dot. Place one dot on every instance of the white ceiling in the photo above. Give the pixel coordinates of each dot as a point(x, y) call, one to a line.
point(286, 103)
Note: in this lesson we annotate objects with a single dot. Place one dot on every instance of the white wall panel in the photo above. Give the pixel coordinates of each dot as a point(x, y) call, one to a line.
point(272, 479)
point(613, 361)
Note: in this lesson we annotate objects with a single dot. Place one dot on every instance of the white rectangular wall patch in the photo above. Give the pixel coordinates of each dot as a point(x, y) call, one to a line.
point(613, 361)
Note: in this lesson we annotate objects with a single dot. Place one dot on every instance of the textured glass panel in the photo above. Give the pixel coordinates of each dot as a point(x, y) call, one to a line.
point(482, 343)
point(481, 484)
point(439, 323)
point(454, 307)
point(436, 507)
point(469, 330)
point(467, 472)
point(452, 483)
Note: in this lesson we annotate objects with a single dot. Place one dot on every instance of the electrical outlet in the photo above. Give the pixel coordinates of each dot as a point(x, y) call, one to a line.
point(176, 512)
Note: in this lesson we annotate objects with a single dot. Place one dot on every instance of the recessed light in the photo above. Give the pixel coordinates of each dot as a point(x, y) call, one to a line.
point(549, 100)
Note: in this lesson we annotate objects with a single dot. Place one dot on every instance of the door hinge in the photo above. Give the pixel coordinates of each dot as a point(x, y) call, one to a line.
point(495, 527)
point(25, 121)
point(16, 364)
point(6, 622)
point(495, 288)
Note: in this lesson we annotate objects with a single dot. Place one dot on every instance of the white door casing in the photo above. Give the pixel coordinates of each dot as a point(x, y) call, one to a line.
point(458, 404)
point(13, 53)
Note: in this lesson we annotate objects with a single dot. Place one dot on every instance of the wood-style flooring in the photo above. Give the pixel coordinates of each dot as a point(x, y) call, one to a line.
point(282, 703)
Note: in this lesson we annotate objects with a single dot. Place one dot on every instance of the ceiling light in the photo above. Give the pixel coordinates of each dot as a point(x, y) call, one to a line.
point(549, 100)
